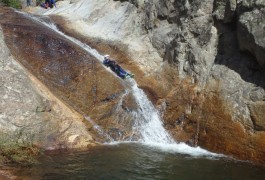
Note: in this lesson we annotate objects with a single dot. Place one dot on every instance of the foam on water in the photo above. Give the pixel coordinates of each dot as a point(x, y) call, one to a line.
point(176, 148)
point(147, 119)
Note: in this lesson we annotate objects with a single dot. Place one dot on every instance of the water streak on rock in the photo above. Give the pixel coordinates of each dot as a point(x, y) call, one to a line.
point(144, 124)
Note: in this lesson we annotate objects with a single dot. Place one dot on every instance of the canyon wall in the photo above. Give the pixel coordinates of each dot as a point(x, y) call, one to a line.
point(202, 61)
point(217, 53)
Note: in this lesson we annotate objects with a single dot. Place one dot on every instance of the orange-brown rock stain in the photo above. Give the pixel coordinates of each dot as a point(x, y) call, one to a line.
point(73, 75)
point(193, 115)
point(201, 118)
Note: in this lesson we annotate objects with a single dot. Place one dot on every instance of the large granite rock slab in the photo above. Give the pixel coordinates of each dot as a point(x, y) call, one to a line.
point(30, 115)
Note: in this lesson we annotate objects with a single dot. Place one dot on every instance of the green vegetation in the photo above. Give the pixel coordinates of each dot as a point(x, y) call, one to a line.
point(11, 3)
point(38, 2)
point(15, 152)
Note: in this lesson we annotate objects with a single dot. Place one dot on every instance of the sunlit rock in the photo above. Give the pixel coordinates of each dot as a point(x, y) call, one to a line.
point(199, 61)
point(30, 115)
point(197, 76)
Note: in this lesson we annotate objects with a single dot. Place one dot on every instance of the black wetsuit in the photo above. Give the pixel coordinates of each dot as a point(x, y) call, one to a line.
point(115, 68)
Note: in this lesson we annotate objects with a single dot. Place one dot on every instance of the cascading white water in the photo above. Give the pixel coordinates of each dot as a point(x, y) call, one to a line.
point(147, 119)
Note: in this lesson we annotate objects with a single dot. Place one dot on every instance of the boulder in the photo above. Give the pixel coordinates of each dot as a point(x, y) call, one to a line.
point(247, 5)
point(225, 10)
point(257, 111)
point(251, 33)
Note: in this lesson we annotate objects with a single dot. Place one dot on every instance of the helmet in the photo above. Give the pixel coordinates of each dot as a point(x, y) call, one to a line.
point(106, 56)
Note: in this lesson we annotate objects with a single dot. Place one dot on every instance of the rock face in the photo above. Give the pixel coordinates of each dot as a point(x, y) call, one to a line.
point(29, 113)
point(251, 28)
point(124, 27)
point(203, 63)
point(217, 98)
point(73, 75)
point(250, 24)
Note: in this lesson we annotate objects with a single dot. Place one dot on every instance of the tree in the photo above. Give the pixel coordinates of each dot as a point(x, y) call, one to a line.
point(11, 3)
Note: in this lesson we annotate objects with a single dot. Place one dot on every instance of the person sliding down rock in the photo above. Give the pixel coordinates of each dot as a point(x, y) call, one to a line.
point(48, 4)
point(116, 68)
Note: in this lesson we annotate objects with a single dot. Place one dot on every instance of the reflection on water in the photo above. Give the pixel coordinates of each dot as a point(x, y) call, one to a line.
point(136, 161)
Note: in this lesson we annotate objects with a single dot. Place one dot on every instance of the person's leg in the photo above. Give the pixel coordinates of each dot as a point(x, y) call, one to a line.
point(43, 5)
point(122, 74)
point(122, 70)
point(28, 2)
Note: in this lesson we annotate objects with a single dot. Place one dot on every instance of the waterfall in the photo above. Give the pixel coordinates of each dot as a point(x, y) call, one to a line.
point(147, 120)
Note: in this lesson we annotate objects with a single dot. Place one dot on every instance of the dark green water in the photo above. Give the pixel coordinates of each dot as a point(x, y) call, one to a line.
point(135, 161)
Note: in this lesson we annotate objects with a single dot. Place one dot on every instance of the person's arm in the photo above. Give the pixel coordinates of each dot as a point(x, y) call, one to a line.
point(106, 62)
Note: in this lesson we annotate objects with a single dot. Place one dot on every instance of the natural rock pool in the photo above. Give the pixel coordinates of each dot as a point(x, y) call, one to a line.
point(74, 73)
point(138, 161)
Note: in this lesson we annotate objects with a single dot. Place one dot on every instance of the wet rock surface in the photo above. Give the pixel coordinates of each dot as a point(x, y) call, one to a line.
point(200, 63)
point(73, 75)
point(29, 113)
point(226, 88)
point(207, 88)
point(213, 86)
